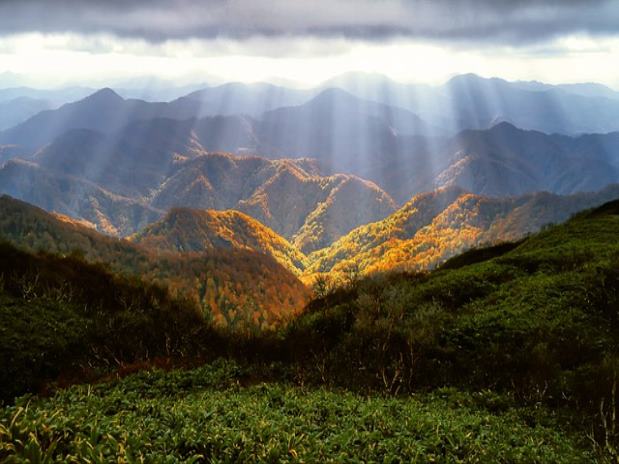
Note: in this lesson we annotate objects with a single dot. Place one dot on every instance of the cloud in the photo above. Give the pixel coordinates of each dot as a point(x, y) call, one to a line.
point(512, 22)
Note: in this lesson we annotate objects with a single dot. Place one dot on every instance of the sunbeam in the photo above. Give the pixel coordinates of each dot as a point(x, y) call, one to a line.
point(335, 231)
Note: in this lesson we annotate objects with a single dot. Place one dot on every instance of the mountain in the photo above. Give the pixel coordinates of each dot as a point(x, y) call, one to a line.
point(342, 131)
point(247, 99)
point(286, 195)
point(157, 155)
point(104, 111)
point(480, 103)
point(435, 226)
point(418, 98)
point(56, 97)
point(586, 89)
point(473, 102)
point(506, 160)
point(108, 212)
point(364, 132)
point(17, 110)
point(359, 103)
point(234, 286)
point(138, 158)
point(107, 112)
point(159, 164)
point(132, 163)
point(501, 161)
point(186, 230)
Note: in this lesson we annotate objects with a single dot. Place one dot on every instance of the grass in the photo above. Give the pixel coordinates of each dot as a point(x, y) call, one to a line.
point(209, 415)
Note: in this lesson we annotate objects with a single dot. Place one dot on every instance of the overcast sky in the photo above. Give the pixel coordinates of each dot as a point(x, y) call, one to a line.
point(51, 42)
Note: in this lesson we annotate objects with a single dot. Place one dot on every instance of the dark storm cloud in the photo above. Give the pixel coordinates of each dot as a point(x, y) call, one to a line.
point(506, 21)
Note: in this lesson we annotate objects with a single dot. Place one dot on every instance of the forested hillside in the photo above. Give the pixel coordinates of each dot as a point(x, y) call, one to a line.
point(435, 226)
point(519, 338)
point(237, 287)
point(185, 230)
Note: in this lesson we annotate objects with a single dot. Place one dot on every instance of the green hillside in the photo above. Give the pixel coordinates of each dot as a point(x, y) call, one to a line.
point(506, 354)
point(64, 320)
point(539, 319)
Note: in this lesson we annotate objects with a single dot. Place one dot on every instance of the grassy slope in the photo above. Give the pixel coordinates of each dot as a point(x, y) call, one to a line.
point(540, 320)
point(62, 316)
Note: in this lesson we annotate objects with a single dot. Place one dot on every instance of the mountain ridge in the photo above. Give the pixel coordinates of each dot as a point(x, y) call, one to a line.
point(191, 230)
point(437, 225)
point(238, 288)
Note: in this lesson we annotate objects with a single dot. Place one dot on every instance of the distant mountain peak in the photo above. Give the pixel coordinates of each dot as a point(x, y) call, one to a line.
point(465, 77)
point(504, 126)
point(474, 79)
point(105, 94)
point(333, 92)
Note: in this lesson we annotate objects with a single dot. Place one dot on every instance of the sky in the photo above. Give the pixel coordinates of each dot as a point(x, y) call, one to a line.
point(49, 43)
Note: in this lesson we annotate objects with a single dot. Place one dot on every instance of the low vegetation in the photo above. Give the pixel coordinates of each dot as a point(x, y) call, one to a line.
point(506, 354)
point(539, 319)
point(212, 414)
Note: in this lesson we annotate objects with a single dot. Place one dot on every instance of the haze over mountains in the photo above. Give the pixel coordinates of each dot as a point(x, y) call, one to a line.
point(406, 145)
point(469, 101)
point(361, 170)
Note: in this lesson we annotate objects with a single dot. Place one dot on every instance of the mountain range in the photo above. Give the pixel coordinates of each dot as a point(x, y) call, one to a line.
point(423, 233)
point(464, 102)
point(470, 101)
point(121, 189)
point(349, 174)
point(160, 163)
point(389, 145)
